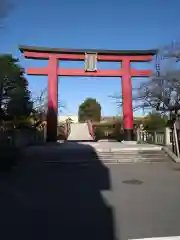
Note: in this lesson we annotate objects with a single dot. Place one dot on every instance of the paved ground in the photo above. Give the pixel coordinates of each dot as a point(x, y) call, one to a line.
point(65, 201)
point(113, 145)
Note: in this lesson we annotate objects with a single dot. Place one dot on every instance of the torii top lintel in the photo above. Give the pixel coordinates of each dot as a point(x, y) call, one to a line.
point(55, 54)
point(80, 51)
point(102, 52)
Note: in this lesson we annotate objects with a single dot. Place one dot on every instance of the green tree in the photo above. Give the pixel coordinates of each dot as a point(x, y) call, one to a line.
point(155, 121)
point(15, 98)
point(90, 109)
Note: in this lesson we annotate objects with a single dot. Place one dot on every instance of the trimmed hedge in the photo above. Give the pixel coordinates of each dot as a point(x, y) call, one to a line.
point(108, 131)
point(60, 132)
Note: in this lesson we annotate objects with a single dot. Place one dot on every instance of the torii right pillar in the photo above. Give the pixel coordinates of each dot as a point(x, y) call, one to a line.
point(127, 74)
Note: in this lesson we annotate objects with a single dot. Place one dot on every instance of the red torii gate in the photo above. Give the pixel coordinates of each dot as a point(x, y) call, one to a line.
point(53, 71)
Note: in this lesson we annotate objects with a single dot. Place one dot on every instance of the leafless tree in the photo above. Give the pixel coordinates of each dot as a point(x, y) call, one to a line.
point(159, 93)
point(5, 8)
point(41, 103)
point(162, 90)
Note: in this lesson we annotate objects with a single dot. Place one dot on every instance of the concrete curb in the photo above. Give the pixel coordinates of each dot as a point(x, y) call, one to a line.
point(129, 142)
point(171, 154)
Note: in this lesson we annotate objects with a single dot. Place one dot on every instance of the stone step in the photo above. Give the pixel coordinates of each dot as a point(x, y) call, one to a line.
point(79, 132)
point(130, 154)
point(117, 157)
point(114, 161)
point(130, 157)
point(134, 159)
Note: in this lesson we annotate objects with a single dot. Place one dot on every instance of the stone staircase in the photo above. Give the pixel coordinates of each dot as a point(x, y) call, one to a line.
point(79, 132)
point(119, 157)
point(95, 153)
point(129, 156)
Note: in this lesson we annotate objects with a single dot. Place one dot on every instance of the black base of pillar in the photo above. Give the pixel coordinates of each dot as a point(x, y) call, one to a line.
point(128, 135)
point(51, 134)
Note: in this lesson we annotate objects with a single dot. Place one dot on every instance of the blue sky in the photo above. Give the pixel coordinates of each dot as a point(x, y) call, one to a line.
point(106, 24)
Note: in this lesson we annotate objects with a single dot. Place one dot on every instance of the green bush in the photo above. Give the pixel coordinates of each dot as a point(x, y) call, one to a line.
point(154, 121)
point(60, 132)
point(116, 133)
point(99, 133)
point(108, 131)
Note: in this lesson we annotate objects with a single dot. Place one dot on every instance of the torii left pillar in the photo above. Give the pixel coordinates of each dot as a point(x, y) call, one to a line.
point(52, 99)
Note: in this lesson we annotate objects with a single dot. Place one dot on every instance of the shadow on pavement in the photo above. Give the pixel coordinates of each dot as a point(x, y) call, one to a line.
point(49, 200)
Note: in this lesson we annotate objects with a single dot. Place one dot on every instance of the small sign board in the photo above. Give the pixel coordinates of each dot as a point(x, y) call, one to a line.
point(90, 62)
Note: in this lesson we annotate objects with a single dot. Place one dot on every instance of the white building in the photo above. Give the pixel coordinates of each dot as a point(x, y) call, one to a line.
point(64, 118)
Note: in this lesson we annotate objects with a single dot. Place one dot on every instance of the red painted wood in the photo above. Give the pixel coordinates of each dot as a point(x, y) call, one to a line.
point(71, 57)
point(38, 55)
point(80, 57)
point(81, 72)
point(120, 58)
point(140, 73)
point(38, 71)
point(52, 99)
point(61, 56)
point(127, 96)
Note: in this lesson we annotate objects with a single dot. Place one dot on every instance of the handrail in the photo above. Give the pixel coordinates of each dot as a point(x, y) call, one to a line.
point(176, 142)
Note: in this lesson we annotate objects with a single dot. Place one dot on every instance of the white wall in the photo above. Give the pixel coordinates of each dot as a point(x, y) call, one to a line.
point(63, 118)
